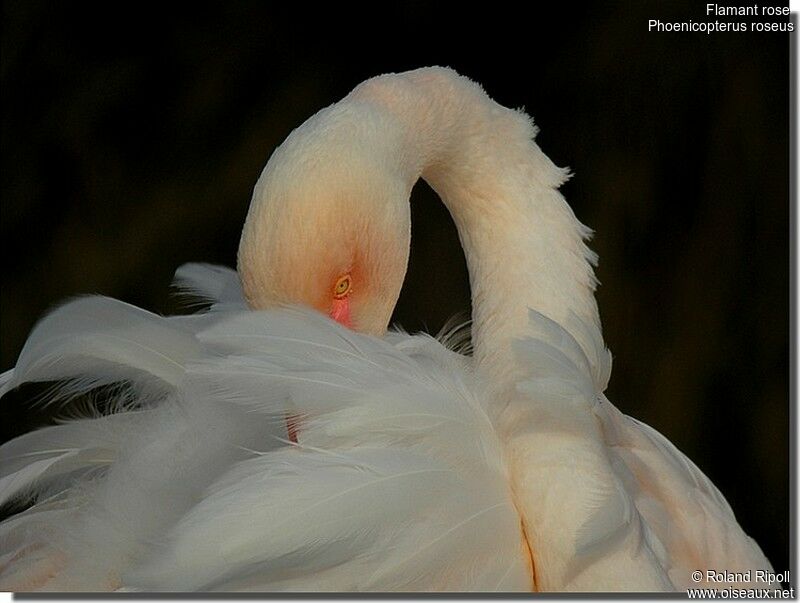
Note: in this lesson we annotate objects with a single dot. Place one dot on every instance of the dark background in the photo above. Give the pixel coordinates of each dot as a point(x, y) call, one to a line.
point(132, 137)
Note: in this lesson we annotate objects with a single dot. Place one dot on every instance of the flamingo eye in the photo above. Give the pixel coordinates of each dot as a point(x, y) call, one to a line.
point(342, 287)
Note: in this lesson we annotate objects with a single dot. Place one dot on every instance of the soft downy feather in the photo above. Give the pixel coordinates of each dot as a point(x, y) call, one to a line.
point(94, 341)
point(84, 344)
point(51, 452)
point(397, 482)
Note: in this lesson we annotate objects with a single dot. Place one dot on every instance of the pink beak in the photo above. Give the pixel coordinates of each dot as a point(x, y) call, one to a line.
point(340, 311)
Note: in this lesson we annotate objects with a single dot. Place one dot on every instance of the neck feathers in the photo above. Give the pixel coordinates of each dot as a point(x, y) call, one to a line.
point(523, 245)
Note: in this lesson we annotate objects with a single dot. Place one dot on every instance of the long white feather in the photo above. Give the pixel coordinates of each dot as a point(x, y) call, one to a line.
point(97, 340)
point(218, 285)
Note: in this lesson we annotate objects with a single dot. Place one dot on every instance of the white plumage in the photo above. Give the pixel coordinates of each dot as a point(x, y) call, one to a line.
point(397, 482)
point(415, 468)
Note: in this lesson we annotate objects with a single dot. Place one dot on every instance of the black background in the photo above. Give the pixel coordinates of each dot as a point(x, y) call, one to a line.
point(132, 137)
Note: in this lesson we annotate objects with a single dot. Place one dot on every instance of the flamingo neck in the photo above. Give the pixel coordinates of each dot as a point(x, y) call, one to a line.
point(523, 245)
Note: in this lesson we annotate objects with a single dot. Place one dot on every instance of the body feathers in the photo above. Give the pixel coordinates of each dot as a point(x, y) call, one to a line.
point(399, 479)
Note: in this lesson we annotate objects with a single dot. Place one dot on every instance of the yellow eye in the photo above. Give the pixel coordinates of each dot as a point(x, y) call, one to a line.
point(342, 287)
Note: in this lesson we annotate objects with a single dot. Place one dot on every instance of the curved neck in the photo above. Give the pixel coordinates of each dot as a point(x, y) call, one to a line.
point(523, 245)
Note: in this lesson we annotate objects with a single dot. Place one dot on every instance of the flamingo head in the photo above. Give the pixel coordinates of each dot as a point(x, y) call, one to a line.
point(328, 226)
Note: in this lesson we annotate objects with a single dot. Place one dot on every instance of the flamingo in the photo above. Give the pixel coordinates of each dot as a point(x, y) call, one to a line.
point(283, 440)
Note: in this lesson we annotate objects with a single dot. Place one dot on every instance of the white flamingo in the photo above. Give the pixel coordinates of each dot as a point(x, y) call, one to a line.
point(405, 466)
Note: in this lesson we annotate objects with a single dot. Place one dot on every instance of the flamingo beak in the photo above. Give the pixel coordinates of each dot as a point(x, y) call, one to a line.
point(340, 311)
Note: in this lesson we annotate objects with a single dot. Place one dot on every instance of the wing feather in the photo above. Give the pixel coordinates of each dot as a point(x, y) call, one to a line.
point(398, 480)
point(51, 452)
point(218, 285)
point(96, 340)
point(623, 495)
point(682, 507)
